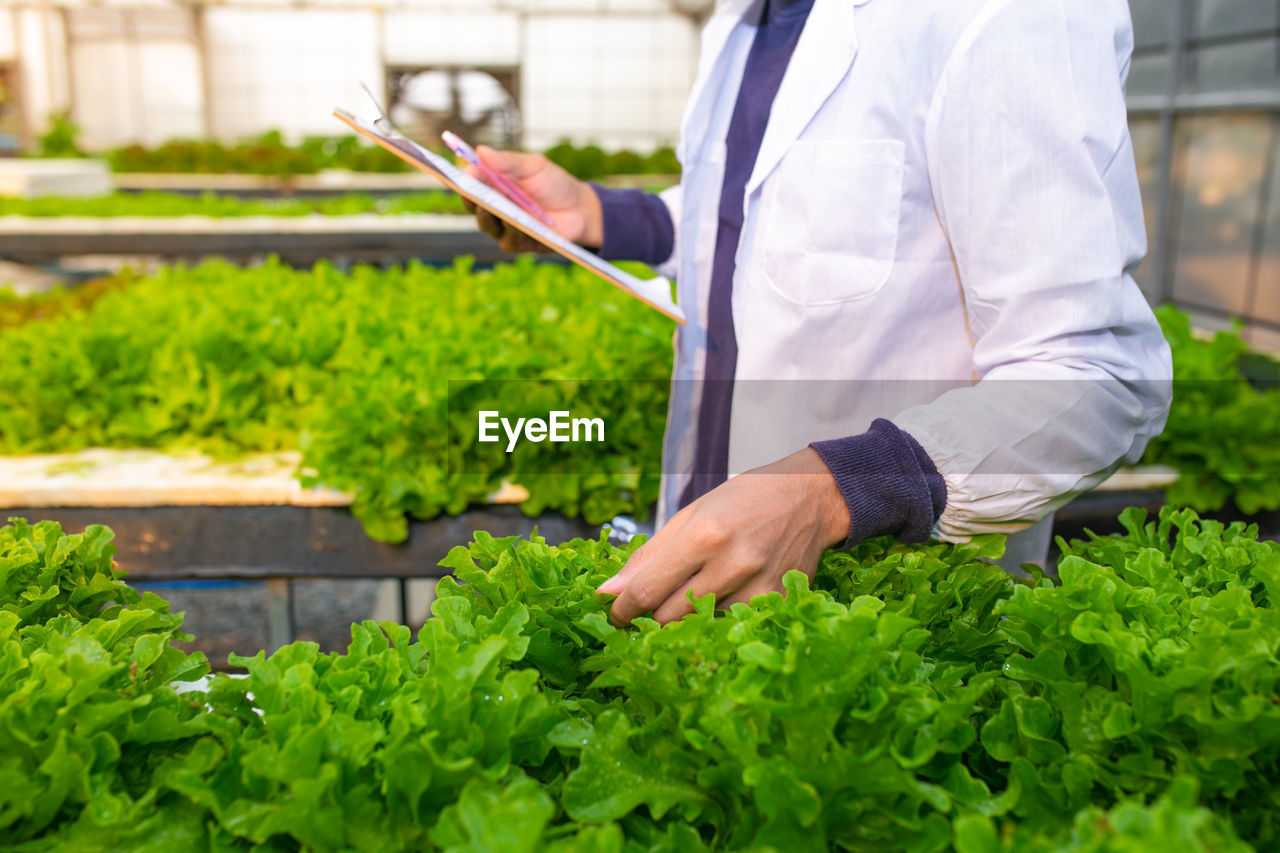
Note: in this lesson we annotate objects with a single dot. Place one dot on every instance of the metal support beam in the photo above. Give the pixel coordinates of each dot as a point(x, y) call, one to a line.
point(300, 248)
point(279, 613)
point(1162, 251)
point(199, 26)
point(1259, 242)
point(1203, 102)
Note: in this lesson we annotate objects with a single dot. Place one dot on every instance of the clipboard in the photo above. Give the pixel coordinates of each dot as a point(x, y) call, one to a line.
point(654, 292)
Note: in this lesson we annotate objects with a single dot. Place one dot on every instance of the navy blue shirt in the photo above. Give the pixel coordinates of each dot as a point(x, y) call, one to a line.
point(780, 26)
point(888, 481)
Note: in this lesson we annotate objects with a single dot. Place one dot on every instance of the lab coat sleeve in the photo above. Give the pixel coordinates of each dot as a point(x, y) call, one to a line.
point(1033, 178)
point(672, 197)
point(639, 226)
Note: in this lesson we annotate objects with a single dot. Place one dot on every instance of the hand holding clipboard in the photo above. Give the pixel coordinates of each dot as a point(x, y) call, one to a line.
point(655, 292)
point(495, 178)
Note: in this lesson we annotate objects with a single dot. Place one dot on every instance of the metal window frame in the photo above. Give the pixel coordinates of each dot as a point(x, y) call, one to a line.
point(1175, 103)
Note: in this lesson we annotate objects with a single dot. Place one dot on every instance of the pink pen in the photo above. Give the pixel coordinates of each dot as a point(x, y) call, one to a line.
point(513, 192)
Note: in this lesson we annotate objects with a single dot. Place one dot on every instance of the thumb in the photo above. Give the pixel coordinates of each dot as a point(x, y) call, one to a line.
point(514, 164)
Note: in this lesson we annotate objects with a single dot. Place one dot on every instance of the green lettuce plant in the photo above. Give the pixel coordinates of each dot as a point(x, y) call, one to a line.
point(909, 698)
point(1223, 432)
point(87, 710)
point(164, 204)
point(355, 370)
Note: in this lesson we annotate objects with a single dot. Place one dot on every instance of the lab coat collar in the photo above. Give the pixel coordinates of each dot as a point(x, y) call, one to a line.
point(821, 60)
point(729, 15)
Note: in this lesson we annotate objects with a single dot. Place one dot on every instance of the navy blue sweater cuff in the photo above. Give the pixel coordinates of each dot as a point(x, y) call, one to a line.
point(889, 482)
point(637, 226)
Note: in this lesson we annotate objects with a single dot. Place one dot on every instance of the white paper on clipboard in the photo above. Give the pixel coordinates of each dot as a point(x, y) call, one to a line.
point(655, 292)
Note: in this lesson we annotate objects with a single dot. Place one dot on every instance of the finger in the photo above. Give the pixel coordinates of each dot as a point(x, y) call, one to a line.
point(634, 565)
point(689, 549)
point(665, 571)
point(652, 587)
point(518, 165)
point(744, 595)
point(677, 606)
point(490, 224)
point(514, 242)
point(644, 554)
point(731, 572)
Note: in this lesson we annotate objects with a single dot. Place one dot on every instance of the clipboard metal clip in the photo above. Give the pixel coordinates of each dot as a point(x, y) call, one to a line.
point(382, 121)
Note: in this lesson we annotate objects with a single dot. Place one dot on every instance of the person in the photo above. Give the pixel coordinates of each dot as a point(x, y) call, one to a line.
point(904, 238)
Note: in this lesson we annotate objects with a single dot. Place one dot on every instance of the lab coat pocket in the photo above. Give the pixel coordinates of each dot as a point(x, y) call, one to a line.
point(829, 220)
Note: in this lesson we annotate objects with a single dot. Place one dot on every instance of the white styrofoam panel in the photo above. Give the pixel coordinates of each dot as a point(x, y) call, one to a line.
point(287, 69)
point(36, 177)
point(413, 37)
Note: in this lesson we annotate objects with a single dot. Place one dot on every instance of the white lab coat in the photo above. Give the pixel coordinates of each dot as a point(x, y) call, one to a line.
point(940, 229)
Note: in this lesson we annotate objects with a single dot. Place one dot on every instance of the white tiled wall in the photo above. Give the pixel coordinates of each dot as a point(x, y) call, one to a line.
point(457, 36)
point(124, 4)
point(560, 7)
point(8, 34)
point(173, 97)
point(137, 92)
point(106, 92)
point(40, 37)
point(618, 81)
point(287, 69)
point(614, 72)
point(651, 6)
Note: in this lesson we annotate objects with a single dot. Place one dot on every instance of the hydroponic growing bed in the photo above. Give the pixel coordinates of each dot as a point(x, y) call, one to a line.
point(297, 240)
point(353, 370)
